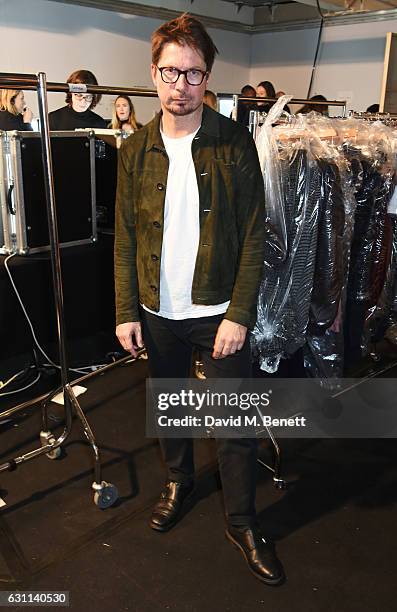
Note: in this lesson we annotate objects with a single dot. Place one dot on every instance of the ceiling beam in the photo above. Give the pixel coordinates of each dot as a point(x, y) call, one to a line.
point(280, 20)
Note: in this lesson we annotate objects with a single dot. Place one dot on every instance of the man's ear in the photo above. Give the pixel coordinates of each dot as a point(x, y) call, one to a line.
point(153, 71)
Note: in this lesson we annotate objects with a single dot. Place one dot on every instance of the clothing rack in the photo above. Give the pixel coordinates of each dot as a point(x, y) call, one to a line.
point(105, 494)
point(237, 99)
point(339, 132)
point(386, 118)
point(372, 116)
point(286, 126)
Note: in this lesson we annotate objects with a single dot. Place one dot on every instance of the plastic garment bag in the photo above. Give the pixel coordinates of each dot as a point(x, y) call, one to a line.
point(285, 291)
point(372, 264)
point(268, 154)
point(324, 350)
point(367, 234)
point(382, 298)
point(339, 270)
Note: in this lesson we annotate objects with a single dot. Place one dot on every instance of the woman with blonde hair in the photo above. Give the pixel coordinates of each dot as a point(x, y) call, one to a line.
point(123, 115)
point(210, 99)
point(14, 114)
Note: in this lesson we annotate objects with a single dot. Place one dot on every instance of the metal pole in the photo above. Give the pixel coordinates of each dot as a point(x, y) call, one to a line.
point(315, 58)
point(295, 101)
point(235, 107)
point(15, 80)
point(29, 82)
point(52, 227)
point(9, 80)
point(253, 123)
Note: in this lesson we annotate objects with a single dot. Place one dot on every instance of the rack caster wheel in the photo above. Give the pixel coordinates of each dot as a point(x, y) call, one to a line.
point(280, 485)
point(46, 437)
point(106, 495)
point(54, 454)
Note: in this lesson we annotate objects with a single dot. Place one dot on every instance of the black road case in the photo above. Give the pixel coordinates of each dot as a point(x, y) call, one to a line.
point(23, 204)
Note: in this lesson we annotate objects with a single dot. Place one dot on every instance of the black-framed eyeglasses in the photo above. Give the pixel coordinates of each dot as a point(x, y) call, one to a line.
point(86, 97)
point(193, 76)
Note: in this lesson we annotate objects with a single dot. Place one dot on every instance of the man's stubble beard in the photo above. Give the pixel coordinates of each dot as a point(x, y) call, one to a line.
point(181, 110)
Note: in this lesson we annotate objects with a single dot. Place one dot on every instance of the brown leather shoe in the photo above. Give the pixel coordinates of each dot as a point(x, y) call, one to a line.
point(259, 554)
point(167, 511)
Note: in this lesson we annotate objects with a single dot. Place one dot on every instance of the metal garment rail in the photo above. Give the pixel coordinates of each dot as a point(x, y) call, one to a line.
point(237, 99)
point(105, 493)
point(372, 116)
point(29, 82)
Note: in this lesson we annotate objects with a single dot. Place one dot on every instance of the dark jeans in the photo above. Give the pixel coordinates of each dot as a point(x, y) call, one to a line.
point(169, 345)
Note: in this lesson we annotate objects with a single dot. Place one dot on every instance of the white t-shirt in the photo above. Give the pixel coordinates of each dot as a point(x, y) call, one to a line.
point(181, 234)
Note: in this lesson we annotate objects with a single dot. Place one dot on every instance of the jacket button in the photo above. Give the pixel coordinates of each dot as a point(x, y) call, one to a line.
point(153, 288)
point(160, 186)
point(154, 257)
point(156, 224)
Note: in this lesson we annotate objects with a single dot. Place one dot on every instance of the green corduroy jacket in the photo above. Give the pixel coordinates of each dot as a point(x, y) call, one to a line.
point(232, 219)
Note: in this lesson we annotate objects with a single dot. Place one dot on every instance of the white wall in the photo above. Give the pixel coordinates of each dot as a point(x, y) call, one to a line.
point(37, 35)
point(350, 63)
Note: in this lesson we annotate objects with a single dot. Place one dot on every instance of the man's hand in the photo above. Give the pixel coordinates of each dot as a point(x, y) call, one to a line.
point(130, 336)
point(230, 338)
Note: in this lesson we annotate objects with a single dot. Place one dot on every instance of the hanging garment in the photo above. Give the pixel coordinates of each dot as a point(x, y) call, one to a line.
point(324, 351)
point(378, 315)
point(371, 249)
point(330, 283)
point(285, 291)
point(330, 266)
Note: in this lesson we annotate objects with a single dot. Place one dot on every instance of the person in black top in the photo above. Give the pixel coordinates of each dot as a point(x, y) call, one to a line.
point(265, 89)
point(322, 109)
point(243, 109)
point(14, 114)
point(78, 110)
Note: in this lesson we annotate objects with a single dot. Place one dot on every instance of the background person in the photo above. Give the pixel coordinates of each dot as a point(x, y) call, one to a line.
point(14, 114)
point(322, 109)
point(248, 91)
point(265, 89)
point(123, 115)
point(210, 99)
point(244, 107)
point(78, 110)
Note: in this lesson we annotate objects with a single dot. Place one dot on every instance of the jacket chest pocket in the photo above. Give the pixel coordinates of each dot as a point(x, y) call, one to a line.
point(150, 196)
point(216, 180)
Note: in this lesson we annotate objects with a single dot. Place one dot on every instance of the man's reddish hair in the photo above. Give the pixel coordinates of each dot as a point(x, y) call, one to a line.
point(184, 30)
